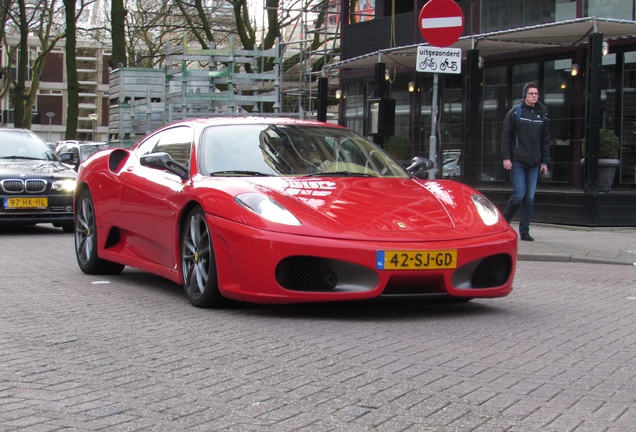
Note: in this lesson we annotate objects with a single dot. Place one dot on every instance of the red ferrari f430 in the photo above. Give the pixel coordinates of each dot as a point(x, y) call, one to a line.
point(277, 210)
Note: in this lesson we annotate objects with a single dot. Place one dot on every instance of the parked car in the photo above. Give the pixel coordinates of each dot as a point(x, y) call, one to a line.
point(79, 151)
point(280, 211)
point(34, 186)
point(451, 167)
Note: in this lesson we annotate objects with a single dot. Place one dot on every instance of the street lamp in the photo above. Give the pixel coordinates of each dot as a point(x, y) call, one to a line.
point(94, 117)
point(50, 115)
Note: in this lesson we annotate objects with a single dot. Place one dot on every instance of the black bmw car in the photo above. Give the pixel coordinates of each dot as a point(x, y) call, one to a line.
point(34, 186)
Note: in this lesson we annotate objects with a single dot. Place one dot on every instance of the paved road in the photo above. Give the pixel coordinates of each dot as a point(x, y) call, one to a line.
point(129, 353)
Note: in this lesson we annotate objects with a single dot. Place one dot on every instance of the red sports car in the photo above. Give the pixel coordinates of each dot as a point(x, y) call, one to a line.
point(277, 210)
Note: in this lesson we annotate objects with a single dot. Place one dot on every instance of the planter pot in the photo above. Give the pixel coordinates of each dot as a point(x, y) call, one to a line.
point(606, 172)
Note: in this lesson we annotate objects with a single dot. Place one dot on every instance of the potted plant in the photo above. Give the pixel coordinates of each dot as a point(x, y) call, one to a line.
point(609, 148)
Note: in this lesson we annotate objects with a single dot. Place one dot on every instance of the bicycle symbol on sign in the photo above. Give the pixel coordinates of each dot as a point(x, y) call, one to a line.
point(446, 64)
point(428, 63)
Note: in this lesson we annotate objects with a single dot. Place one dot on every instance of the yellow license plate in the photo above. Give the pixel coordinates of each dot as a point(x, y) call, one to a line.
point(26, 203)
point(416, 260)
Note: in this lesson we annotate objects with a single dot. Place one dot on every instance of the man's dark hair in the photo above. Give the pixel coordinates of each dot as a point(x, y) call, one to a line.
point(529, 86)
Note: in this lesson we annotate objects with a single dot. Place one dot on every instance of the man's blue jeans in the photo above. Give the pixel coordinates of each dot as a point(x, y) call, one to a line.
point(524, 185)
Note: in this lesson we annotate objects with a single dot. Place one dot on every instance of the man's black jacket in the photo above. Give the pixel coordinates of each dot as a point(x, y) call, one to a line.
point(526, 139)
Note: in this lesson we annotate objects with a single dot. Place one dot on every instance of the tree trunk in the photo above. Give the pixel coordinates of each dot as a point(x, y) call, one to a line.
point(22, 69)
point(118, 32)
point(72, 85)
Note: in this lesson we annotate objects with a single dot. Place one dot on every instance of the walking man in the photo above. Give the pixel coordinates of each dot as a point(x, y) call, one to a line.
point(525, 151)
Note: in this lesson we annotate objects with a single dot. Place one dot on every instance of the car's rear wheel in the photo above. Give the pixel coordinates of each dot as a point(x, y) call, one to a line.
point(198, 262)
point(86, 239)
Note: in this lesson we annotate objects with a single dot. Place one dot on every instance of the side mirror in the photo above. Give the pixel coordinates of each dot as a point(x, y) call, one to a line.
point(164, 161)
point(420, 166)
point(68, 158)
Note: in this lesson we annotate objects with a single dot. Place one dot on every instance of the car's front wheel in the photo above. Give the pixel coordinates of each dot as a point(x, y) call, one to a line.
point(198, 262)
point(86, 239)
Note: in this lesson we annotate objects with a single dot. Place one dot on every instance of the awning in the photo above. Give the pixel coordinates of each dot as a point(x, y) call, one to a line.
point(558, 34)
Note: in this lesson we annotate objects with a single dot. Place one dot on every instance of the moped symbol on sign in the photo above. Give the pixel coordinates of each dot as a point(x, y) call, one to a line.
point(438, 60)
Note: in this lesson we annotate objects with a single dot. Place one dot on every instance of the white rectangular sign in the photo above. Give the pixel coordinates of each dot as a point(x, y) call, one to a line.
point(438, 60)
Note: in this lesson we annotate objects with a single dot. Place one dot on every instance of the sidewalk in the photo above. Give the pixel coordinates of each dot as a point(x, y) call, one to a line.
point(578, 244)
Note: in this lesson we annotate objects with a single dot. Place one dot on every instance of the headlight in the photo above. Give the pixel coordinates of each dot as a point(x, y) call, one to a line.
point(486, 209)
point(67, 185)
point(267, 208)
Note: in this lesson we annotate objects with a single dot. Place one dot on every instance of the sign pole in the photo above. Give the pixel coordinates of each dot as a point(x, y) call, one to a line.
point(441, 23)
point(432, 149)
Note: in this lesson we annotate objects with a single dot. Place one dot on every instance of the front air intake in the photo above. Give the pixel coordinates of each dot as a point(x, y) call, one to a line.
point(302, 273)
point(493, 271)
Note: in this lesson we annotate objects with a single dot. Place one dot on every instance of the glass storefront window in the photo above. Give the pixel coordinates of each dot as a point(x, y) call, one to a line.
point(354, 106)
point(451, 122)
point(622, 9)
point(628, 137)
point(555, 93)
point(426, 98)
point(506, 14)
point(608, 92)
point(399, 92)
point(564, 153)
point(495, 108)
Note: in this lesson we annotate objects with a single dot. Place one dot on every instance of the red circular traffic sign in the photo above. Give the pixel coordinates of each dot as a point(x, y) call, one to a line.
point(441, 22)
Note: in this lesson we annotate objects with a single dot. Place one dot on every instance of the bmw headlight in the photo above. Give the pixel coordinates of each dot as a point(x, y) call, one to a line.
point(486, 209)
point(267, 208)
point(66, 185)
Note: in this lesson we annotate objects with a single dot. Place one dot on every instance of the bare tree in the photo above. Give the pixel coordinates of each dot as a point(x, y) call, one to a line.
point(25, 18)
point(5, 17)
point(21, 19)
point(147, 32)
point(41, 19)
point(49, 34)
point(72, 84)
point(118, 33)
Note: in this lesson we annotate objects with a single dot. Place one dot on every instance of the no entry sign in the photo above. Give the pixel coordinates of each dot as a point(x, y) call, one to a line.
point(441, 22)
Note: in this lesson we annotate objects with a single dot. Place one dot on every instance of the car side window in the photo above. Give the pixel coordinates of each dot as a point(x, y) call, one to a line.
point(177, 142)
point(147, 146)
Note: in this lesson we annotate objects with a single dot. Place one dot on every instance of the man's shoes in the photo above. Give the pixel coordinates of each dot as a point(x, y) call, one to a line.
point(526, 236)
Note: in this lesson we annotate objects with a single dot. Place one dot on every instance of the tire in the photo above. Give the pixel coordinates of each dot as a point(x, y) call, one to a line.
point(86, 239)
point(198, 262)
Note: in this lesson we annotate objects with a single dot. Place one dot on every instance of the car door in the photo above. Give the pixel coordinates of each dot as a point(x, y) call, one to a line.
point(148, 206)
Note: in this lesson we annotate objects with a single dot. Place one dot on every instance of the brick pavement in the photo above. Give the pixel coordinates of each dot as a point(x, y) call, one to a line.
point(129, 353)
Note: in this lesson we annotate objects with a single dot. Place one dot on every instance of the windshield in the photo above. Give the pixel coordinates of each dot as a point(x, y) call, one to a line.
point(20, 144)
point(292, 150)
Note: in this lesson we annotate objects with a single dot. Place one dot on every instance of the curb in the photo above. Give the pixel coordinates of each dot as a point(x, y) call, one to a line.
point(568, 258)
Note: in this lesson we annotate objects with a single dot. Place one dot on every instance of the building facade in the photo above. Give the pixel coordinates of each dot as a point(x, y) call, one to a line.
point(582, 54)
point(49, 111)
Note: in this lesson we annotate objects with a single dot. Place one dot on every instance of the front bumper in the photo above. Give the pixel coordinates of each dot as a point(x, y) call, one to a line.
point(59, 211)
point(268, 267)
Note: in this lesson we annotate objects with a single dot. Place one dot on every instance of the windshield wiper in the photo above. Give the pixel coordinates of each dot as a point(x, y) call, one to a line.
point(240, 173)
point(21, 157)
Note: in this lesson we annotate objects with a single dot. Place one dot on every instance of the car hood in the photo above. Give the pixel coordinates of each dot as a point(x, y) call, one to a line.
point(372, 208)
point(37, 168)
